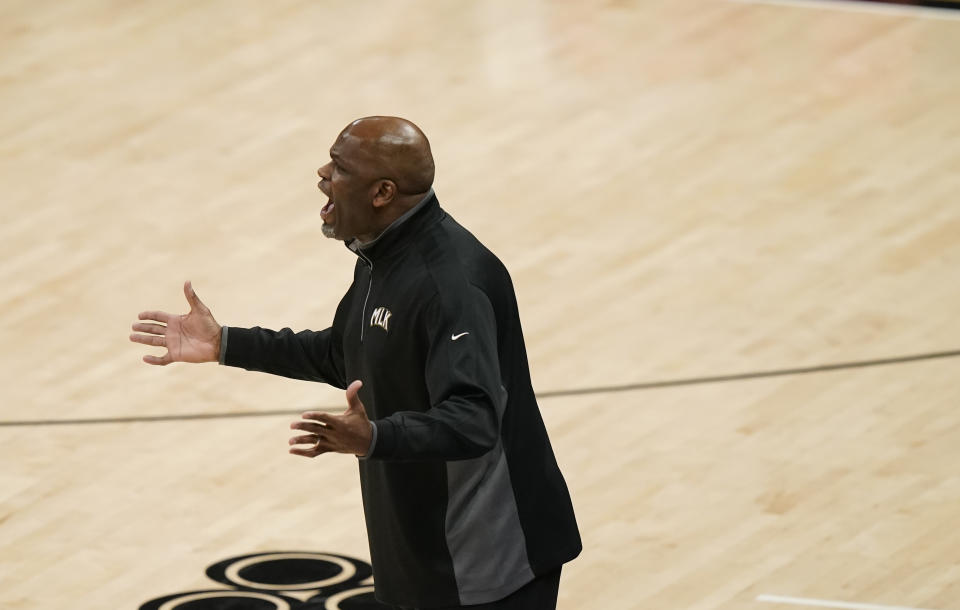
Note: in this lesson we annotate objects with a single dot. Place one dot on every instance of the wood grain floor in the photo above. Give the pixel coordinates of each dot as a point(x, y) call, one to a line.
point(680, 189)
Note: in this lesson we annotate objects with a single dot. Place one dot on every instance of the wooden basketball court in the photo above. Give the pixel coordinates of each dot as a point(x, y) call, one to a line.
point(683, 191)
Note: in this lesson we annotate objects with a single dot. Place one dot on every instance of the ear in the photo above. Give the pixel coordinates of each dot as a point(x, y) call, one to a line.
point(386, 192)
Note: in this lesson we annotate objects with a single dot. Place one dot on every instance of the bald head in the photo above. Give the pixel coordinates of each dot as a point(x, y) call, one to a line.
point(394, 149)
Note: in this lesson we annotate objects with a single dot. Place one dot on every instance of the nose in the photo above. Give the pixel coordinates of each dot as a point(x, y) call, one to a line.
point(324, 172)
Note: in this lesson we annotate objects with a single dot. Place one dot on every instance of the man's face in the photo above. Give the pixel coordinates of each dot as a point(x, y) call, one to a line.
point(346, 181)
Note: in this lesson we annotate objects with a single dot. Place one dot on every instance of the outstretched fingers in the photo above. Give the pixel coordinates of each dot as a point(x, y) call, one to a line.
point(153, 329)
point(320, 428)
point(155, 335)
point(154, 340)
point(316, 444)
point(157, 316)
point(327, 419)
point(305, 439)
point(159, 360)
point(310, 453)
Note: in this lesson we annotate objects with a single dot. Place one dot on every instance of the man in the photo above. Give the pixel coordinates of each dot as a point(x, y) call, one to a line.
point(464, 502)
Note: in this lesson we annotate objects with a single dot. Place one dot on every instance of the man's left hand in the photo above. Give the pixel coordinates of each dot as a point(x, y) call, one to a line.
point(349, 432)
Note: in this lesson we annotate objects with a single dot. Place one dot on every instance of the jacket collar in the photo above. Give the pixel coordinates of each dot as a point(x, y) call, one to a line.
point(394, 238)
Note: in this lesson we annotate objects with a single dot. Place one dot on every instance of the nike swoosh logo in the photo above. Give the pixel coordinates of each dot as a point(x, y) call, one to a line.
point(455, 337)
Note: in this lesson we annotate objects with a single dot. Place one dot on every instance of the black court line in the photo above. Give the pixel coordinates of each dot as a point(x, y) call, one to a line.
point(630, 387)
point(822, 368)
point(946, 4)
point(949, 10)
point(161, 418)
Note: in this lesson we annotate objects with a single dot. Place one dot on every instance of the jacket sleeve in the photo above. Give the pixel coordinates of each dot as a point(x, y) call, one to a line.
point(309, 355)
point(462, 375)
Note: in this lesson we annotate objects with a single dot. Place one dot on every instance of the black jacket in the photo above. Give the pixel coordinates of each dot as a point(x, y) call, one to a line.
point(463, 498)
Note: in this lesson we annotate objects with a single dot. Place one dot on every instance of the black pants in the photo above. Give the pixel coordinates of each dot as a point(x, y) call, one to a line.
point(538, 594)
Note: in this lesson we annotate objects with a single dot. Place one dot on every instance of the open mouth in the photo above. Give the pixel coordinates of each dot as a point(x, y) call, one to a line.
point(326, 211)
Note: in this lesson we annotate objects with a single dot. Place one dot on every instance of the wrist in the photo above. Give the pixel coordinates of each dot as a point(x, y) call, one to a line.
point(371, 442)
point(220, 345)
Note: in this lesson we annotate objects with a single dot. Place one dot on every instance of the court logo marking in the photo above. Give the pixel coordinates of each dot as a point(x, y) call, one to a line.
point(281, 580)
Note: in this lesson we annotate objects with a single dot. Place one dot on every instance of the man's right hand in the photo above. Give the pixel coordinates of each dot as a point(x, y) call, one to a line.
point(192, 337)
